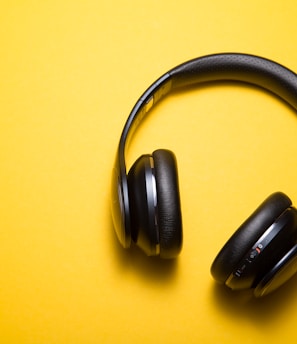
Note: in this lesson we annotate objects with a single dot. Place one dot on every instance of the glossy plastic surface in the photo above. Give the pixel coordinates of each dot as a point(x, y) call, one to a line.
point(279, 274)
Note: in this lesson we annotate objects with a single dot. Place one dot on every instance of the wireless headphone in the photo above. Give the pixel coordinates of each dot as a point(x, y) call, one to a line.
point(262, 254)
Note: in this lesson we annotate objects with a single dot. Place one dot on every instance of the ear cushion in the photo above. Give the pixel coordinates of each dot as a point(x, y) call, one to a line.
point(168, 200)
point(247, 235)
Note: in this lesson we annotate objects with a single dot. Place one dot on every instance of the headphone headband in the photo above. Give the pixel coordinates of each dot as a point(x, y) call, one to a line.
point(244, 68)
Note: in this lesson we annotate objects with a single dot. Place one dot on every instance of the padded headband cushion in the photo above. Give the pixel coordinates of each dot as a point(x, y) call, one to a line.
point(247, 235)
point(169, 211)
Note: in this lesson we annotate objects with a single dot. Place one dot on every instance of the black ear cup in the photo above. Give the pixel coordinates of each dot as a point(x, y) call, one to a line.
point(155, 204)
point(266, 252)
point(241, 242)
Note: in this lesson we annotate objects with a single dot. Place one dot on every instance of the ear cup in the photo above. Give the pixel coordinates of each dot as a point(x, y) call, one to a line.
point(155, 204)
point(247, 235)
point(169, 210)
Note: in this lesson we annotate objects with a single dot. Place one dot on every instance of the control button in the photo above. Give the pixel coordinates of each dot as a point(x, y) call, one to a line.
point(239, 271)
point(254, 254)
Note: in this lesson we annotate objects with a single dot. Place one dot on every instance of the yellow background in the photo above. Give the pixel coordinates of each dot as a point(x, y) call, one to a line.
point(70, 72)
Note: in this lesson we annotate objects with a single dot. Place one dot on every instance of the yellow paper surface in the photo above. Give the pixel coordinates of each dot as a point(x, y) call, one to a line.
point(70, 72)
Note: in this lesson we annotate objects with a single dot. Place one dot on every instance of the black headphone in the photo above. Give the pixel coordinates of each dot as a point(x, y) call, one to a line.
point(262, 253)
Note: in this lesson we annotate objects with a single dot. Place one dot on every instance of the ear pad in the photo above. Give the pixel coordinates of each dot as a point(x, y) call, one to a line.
point(169, 211)
point(247, 235)
point(155, 204)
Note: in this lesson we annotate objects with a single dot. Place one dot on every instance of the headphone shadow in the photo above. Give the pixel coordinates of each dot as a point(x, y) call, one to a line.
point(261, 311)
point(239, 305)
point(151, 269)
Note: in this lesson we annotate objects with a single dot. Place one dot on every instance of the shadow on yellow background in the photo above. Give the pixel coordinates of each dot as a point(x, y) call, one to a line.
point(261, 312)
point(150, 269)
point(153, 271)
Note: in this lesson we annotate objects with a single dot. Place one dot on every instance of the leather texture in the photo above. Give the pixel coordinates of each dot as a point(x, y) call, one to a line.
point(247, 235)
point(244, 68)
point(169, 211)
